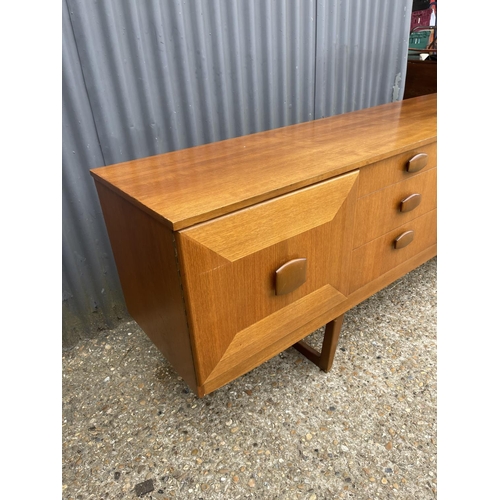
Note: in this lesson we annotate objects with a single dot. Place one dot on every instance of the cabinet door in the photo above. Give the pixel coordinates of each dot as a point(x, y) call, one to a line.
point(228, 268)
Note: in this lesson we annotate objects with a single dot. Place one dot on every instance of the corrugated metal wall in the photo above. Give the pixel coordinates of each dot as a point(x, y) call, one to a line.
point(92, 297)
point(362, 53)
point(146, 77)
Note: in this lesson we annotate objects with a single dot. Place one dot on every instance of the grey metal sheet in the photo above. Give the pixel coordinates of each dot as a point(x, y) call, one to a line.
point(91, 293)
point(362, 48)
point(147, 77)
point(166, 75)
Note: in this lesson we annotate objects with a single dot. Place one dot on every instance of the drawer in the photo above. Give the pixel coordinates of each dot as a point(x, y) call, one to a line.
point(397, 204)
point(379, 256)
point(394, 169)
point(229, 265)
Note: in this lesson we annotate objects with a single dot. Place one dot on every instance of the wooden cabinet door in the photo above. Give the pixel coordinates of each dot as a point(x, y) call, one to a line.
point(228, 269)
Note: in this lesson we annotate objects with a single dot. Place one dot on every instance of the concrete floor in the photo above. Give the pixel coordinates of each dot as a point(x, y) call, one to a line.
point(285, 430)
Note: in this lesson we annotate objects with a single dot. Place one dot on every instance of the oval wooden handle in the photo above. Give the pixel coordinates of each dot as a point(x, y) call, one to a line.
point(290, 276)
point(418, 162)
point(403, 240)
point(410, 202)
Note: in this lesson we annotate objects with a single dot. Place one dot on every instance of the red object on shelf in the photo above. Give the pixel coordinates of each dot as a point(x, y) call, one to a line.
point(420, 18)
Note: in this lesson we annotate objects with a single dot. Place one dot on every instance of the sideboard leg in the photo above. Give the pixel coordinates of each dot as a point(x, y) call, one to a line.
point(323, 359)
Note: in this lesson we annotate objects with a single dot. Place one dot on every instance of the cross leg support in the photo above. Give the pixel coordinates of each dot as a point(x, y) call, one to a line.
point(323, 359)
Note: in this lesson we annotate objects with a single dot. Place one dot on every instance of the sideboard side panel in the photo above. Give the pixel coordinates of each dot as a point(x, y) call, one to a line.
point(146, 259)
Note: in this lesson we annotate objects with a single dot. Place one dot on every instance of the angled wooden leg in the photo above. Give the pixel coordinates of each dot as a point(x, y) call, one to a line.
point(323, 359)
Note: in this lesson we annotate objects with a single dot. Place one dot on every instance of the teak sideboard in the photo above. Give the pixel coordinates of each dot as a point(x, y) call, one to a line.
point(231, 252)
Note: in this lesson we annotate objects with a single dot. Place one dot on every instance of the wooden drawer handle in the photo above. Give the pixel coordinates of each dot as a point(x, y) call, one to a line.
point(410, 202)
point(290, 276)
point(403, 240)
point(418, 162)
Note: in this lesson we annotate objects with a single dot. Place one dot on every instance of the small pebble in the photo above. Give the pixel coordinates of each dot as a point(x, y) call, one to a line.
point(144, 487)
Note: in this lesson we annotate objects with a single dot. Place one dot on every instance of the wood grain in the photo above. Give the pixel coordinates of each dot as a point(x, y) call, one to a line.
point(385, 279)
point(243, 364)
point(379, 256)
point(145, 258)
point(227, 297)
point(247, 363)
point(247, 231)
point(185, 187)
point(269, 330)
point(323, 359)
point(381, 174)
point(198, 234)
point(379, 212)
point(290, 276)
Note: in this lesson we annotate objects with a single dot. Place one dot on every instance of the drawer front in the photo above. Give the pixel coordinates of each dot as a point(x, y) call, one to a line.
point(392, 170)
point(235, 302)
point(395, 205)
point(380, 255)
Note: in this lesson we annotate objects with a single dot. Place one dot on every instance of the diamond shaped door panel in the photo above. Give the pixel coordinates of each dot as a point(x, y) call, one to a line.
point(228, 269)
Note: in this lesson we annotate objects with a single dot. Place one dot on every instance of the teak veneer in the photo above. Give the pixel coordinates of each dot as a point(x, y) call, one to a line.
point(229, 253)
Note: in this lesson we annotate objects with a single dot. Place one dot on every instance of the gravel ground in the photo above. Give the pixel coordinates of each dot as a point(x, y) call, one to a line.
point(286, 430)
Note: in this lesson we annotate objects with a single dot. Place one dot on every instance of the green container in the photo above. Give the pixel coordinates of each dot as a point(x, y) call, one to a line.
point(419, 39)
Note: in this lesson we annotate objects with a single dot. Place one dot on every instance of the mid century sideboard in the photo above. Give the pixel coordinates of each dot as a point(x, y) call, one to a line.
point(231, 252)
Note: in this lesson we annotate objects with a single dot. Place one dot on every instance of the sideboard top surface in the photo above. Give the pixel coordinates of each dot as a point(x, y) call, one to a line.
point(185, 187)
